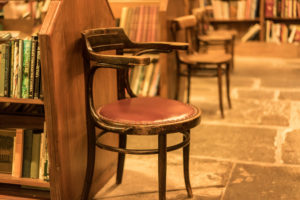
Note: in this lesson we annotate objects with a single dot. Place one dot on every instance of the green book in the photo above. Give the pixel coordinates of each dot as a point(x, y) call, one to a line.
point(35, 156)
point(2, 69)
point(27, 153)
point(7, 70)
point(20, 69)
point(12, 57)
point(26, 68)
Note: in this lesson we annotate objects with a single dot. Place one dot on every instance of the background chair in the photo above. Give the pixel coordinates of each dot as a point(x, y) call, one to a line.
point(200, 64)
point(133, 116)
point(207, 36)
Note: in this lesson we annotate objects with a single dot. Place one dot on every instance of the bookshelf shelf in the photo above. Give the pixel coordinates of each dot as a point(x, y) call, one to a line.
point(234, 20)
point(7, 178)
point(284, 20)
point(21, 101)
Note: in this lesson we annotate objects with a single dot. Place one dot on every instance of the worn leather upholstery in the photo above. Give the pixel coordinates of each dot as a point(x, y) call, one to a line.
point(147, 110)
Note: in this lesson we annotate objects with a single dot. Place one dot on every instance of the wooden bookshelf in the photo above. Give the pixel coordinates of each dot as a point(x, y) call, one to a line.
point(234, 21)
point(7, 178)
point(21, 101)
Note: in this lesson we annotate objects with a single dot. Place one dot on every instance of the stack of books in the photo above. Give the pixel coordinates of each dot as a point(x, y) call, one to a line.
point(282, 8)
point(20, 68)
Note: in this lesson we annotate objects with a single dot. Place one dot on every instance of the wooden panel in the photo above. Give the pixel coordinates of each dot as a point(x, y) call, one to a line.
point(62, 71)
point(169, 9)
point(21, 121)
point(17, 192)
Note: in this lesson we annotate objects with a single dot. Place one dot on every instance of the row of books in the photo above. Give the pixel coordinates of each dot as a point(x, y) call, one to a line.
point(24, 153)
point(240, 9)
point(20, 68)
point(140, 23)
point(282, 33)
point(282, 8)
point(144, 80)
point(33, 9)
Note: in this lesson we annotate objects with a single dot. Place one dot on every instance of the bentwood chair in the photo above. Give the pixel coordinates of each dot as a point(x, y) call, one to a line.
point(133, 115)
point(200, 64)
point(208, 37)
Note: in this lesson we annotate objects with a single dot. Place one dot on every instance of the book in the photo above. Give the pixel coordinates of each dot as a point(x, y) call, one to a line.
point(27, 153)
point(2, 69)
point(269, 6)
point(7, 69)
point(15, 68)
point(43, 155)
point(32, 66)
point(37, 74)
point(18, 154)
point(12, 58)
point(26, 68)
point(20, 69)
point(253, 30)
point(6, 150)
point(35, 156)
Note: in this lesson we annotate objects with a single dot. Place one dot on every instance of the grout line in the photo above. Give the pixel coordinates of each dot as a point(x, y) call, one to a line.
point(221, 123)
point(258, 163)
point(228, 181)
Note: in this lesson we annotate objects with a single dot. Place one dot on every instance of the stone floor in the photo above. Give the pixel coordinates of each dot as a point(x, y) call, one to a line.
point(252, 154)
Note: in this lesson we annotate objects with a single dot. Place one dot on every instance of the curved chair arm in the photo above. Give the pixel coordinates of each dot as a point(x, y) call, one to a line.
point(119, 60)
point(160, 46)
point(100, 123)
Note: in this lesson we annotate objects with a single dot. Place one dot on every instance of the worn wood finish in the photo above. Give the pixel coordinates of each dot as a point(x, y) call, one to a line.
point(100, 40)
point(63, 74)
point(16, 192)
point(7, 178)
point(169, 9)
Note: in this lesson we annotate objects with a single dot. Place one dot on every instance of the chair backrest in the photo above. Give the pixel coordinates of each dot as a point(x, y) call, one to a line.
point(111, 39)
point(187, 24)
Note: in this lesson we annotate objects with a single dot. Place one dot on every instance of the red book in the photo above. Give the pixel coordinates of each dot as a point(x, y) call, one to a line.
point(269, 4)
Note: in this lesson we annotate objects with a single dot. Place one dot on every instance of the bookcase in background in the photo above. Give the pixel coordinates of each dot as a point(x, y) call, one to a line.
point(228, 15)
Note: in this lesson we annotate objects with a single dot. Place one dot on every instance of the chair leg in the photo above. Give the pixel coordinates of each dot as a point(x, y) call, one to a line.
point(188, 83)
point(228, 84)
point(121, 159)
point(220, 89)
point(90, 162)
point(162, 169)
point(186, 159)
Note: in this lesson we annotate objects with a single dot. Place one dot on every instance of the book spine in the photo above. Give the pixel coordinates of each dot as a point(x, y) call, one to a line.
point(37, 74)
point(35, 156)
point(12, 44)
point(32, 66)
point(2, 69)
point(16, 68)
point(7, 70)
point(27, 153)
point(18, 154)
point(26, 68)
point(20, 69)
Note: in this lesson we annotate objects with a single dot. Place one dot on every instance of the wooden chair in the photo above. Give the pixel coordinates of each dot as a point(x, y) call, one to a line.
point(207, 37)
point(134, 115)
point(200, 64)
